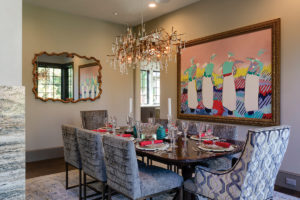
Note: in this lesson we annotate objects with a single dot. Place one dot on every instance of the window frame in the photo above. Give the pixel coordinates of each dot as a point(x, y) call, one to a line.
point(64, 94)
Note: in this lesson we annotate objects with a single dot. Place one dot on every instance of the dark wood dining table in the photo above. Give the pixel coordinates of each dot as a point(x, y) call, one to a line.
point(187, 155)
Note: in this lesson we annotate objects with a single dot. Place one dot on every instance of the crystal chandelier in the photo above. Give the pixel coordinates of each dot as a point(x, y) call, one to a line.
point(153, 50)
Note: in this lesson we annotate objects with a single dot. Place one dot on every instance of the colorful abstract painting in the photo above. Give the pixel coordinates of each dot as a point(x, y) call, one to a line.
point(88, 81)
point(229, 78)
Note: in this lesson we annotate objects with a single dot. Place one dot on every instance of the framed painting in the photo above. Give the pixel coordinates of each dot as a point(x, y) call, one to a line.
point(88, 84)
point(232, 77)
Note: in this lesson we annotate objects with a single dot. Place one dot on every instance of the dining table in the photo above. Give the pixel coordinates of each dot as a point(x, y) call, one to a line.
point(186, 155)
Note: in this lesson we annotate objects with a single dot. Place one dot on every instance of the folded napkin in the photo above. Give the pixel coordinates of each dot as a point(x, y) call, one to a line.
point(124, 135)
point(145, 143)
point(202, 135)
point(208, 142)
point(100, 130)
point(223, 144)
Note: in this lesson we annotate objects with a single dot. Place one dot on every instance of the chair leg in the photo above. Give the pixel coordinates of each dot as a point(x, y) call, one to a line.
point(109, 193)
point(181, 193)
point(84, 185)
point(80, 184)
point(67, 176)
point(103, 191)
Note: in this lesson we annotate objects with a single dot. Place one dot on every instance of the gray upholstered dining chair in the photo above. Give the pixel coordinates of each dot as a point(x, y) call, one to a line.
point(253, 176)
point(134, 181)
point(93, 119)
point(163, 122)
point(92, 156)
point(223, 163)
point(71, 153)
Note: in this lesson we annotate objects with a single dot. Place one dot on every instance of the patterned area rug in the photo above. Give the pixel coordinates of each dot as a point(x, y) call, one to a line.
point(52, 187)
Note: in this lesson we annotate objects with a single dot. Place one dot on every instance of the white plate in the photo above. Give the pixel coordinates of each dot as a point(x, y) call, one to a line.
point(195, 137)
point(161, 146)
point(128, 138)
point(216, 149)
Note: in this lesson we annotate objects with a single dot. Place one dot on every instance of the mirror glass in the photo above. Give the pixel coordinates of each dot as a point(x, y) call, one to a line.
point(66, 77)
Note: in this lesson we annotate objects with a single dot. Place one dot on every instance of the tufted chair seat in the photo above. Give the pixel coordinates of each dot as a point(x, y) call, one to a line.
point(253, 176)
point(134, 181)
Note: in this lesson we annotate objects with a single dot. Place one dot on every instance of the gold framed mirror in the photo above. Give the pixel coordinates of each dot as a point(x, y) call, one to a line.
point(66, 77)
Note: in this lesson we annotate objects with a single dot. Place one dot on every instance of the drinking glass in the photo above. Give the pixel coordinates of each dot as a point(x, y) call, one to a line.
point(209, 129)
point(138, 130)
point(130, 122)
point(174, 135)
point(114, 124)
point(199, 127)
point(106, 122)
point(185, 127)
point(151, 120)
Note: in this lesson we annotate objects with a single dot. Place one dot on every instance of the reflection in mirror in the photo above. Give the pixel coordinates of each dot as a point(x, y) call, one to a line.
point(66, 77)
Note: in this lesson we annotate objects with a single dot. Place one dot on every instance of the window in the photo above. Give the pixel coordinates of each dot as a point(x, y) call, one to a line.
point(156, 87)
point(150, 87)
point(56, 80)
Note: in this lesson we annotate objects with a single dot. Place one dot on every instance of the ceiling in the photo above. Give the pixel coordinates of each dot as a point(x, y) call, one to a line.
point(128, 11)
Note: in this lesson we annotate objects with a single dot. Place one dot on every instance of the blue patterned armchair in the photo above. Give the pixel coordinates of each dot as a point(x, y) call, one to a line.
point(253, 176)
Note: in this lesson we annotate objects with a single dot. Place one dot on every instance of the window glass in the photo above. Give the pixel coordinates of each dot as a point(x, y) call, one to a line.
point(150, 87)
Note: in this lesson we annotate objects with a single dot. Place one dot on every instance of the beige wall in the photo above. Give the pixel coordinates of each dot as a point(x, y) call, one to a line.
point(47, 30)
point(213, 16)
point(11, 42)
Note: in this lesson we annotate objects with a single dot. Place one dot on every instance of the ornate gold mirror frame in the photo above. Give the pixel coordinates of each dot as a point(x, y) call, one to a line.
point(71, 55)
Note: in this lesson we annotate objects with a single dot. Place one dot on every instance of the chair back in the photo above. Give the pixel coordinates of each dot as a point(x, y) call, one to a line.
point(260, 162)
point(91, 152)
point(93, 119)
point(163, 122)
point(225, 131)
point(121, 166)
point(71, 150)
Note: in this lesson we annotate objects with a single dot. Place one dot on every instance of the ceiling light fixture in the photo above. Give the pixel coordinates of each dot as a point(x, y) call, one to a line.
point(152, 5)
point(146, 50)
point(116, 13)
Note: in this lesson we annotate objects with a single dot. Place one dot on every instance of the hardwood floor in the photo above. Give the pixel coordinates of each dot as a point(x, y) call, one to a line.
point(52, 166)
point(45, 167)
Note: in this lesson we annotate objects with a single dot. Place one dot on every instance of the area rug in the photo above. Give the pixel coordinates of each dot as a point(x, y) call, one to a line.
point(52, 187)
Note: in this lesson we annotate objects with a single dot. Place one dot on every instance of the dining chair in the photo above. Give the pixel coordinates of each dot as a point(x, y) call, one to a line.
point(92, 156)
point(134, 181)
point(253, 176)
point(163, 122)
point(225, 162)
point(93, 119)
point(71, 154)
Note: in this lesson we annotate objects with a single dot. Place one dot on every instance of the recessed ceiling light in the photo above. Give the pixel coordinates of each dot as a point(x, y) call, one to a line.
point(116, 13)
point(152, 5)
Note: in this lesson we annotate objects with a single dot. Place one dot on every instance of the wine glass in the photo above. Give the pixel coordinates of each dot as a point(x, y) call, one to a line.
point(106, 123)
point(138, 130)
point(199, 127)
point(173, 134)
point(185, 127)
point(151, 120)
point(209, 129)
point(114, 124)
